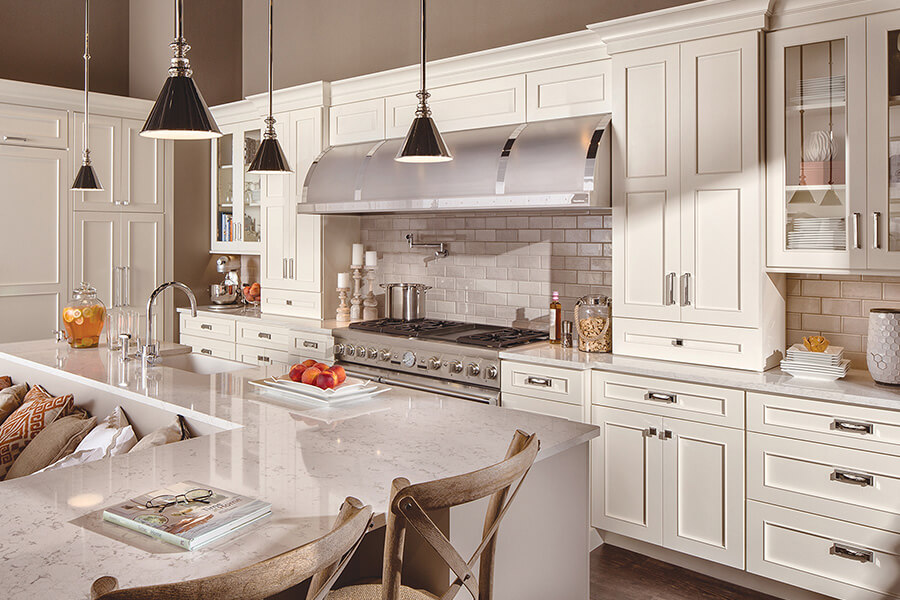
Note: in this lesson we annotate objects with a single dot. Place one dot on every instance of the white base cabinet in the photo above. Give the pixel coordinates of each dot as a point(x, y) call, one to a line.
point(552, 391)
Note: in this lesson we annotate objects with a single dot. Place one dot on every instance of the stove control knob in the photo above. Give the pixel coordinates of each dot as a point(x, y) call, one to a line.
point(372, 352)
point(385, 355)
point(349, 350)
point(434, 362)
point(456, 367)
point(338, 349)
point(491, 372)
point(361, 351)
point(474, 370)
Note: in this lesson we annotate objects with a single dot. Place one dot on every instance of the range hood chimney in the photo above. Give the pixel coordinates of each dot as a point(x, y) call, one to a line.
point(557, 163)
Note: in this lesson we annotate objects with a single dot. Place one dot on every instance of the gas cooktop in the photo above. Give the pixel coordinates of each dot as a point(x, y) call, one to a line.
point(470, 334)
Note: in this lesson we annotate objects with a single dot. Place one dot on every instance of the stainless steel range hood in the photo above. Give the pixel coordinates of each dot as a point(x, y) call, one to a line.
point(558, 163)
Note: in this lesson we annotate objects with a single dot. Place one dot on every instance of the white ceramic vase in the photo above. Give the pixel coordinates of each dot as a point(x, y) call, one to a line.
point(883, 352)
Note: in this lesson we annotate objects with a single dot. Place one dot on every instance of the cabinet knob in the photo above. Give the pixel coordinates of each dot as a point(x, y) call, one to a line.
point(650, 432)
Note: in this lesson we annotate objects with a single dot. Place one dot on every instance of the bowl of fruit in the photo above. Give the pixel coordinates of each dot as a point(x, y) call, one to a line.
point(252, 293)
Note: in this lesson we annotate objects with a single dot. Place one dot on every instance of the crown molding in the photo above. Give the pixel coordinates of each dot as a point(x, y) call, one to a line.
point(534, 55)
point(307, 95)
point(48, 96)
point(235, 112)
point(683, 23)
point(794, 13)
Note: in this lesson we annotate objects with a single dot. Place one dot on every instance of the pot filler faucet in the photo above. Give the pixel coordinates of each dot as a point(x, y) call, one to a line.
point(151, 352)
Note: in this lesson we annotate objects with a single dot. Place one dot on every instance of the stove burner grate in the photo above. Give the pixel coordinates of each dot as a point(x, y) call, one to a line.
point(502, 338)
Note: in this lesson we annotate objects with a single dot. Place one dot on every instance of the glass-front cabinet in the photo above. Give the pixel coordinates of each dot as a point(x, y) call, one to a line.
point(883, 117)
point(236, 194)
point(817, 147)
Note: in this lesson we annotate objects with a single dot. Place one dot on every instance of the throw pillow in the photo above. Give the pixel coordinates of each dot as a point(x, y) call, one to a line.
point(36, 392)
point(113, 436)
point(5, 382)
point(26, 422)
point(58, 440)
point(173, 432)
point(10, 399)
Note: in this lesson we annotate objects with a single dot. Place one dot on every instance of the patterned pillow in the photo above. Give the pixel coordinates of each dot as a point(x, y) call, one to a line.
point(36, 392)
point(27, 421)
point(5, 382)
point(10, 399)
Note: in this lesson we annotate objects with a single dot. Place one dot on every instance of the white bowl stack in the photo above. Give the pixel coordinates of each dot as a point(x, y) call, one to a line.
point(828, 365)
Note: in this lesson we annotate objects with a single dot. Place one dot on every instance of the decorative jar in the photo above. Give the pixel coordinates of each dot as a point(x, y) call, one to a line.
point(84, 317)
point(593, 320)
point(883, 350)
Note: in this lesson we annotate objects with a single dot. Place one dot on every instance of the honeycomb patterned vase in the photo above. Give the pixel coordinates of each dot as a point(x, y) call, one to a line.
point(883, 352)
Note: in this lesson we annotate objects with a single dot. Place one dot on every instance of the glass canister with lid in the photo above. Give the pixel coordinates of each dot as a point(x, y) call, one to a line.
point(593, 321)
point(84, 317)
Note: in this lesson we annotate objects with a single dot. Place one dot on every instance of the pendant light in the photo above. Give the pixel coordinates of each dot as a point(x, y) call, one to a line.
point(270, 159)
point(86, 179)
point(423, 143)
point(180, 113)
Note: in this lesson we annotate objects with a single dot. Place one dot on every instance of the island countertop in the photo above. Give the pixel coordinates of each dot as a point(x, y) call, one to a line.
point(304, 460)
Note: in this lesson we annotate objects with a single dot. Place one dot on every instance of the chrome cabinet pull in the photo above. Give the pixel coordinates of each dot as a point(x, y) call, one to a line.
point(264, 336)
point(284, 268)
point(860, 479)
point(686, 289)
point(206, 326)
point(661, 397)
point(126, 285)
point(670, 289)
point(308, 344)
point(262, 358)
point(856, 237)
point(541, 381)
point(649, 432)
point(14, 138)
point(876, 230)
point(206, 351)
point(851, 553)
point(117, 300)
point(678, 342)
point(853, 427)
point(291, 268)
point(665, 434)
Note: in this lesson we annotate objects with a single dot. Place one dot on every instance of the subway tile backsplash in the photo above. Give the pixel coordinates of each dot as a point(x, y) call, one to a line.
point(837, 306)
point(502, 266)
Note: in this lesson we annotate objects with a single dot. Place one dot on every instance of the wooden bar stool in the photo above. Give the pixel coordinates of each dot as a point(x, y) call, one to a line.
point(323, 559)
point(408, 507)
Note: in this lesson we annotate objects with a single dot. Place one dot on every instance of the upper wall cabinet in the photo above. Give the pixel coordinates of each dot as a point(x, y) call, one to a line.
point(236, 194)
point(33, 126)
point(130, 167)
point(357, 122)
point(570, 91)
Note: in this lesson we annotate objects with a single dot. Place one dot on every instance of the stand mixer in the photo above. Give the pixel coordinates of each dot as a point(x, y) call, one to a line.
point(227, 295)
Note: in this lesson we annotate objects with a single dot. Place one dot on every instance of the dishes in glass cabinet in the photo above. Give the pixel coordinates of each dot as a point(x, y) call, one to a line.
point(818, 147)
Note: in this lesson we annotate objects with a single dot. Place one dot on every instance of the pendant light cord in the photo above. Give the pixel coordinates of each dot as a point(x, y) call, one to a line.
point(270, 121)
point(423, 95)
point(180, 65)
point(85, 153)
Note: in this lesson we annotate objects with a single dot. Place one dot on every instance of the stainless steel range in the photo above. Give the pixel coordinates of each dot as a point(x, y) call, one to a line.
point(446, 357)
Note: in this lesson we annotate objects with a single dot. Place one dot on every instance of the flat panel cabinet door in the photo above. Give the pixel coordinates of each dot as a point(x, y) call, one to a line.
point(96, 254)
point(143, 171)
point(29, 316)
point(883, 141)
point(105, 143)
point(32, 126)
point(816, 136)
point(721, 209)
point(306, 271)
point(626, 459)
point(356, 122)
point(646, 231)
point(276, 217)
point(703, 488)
point(142, 256)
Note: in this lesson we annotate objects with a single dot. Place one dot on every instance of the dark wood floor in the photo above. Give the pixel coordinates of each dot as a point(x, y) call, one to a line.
point(618, 574)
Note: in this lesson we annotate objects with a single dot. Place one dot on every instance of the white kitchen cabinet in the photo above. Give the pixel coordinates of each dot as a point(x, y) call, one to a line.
point(33, 272)
point(236, 194)
point(665, 480)
point(816, 125)
point(563, 410)
point(355, 122)
point(105, 143)
point(687, 205)
point(209, 347)
point(569, 91)
point(34, 126)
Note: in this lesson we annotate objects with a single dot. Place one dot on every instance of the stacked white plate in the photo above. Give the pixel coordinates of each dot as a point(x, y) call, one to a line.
point(828, 365)
point(351, 389)
point(821, 89)
point(817, 233)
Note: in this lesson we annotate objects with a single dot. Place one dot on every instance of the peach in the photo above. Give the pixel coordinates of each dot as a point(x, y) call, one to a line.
point(309, 363)
point(297, 372)
point(309, 375)
point(326, 380)
point(340, 372)
point(321, 366)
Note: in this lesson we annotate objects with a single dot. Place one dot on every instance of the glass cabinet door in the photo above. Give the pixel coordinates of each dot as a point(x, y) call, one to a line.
point(815, 148)
point(250, 189)
point(224, 189)
point(891, 230)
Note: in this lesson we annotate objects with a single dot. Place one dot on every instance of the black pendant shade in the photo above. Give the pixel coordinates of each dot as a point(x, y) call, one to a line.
point(423, 143)
point(180, 113)
point(269, 159)
point(86, 180)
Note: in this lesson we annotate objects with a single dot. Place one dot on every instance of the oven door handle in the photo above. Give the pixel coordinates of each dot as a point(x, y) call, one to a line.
point(486, 398)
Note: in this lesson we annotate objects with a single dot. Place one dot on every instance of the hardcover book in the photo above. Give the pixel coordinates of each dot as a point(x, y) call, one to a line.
point(188, 514)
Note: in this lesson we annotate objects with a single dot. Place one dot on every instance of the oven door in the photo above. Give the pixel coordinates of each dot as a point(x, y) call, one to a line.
point(475, 393)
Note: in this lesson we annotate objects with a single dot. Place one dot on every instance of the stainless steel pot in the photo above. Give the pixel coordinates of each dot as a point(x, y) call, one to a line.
point(405, 301)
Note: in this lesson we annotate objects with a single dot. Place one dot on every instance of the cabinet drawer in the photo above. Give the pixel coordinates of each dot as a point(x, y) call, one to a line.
point(312, 345)
point(820, 554)
point(261, 357)
point(31, 126)
point(569, 91)
point(356, 122)
point(264, 336)
point(853, 485)
point(208, 327)
point(563, 410)
point(216, 348)
point(307, 305)
point(703, 403)
point(862, 427)
point(537, 381)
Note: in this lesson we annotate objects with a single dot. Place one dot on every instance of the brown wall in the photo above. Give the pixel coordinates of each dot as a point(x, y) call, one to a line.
point(42, 41)
point(333, 40)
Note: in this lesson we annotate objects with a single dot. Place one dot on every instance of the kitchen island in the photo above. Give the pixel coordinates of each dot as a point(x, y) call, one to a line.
point(302, 459)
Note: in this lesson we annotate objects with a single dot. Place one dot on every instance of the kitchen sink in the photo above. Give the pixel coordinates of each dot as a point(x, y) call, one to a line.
point(202, 364)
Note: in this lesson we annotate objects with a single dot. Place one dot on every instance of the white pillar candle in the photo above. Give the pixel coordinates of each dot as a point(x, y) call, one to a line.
point(371, 258)
point(357, 258)
point(343, 280)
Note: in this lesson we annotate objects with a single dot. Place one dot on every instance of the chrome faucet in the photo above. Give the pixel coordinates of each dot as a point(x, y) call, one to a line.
point(150, 351)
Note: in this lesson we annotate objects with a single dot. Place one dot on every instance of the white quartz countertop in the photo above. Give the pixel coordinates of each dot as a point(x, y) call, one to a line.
point(304, 460)
point(856, 388)
point(253, 314)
